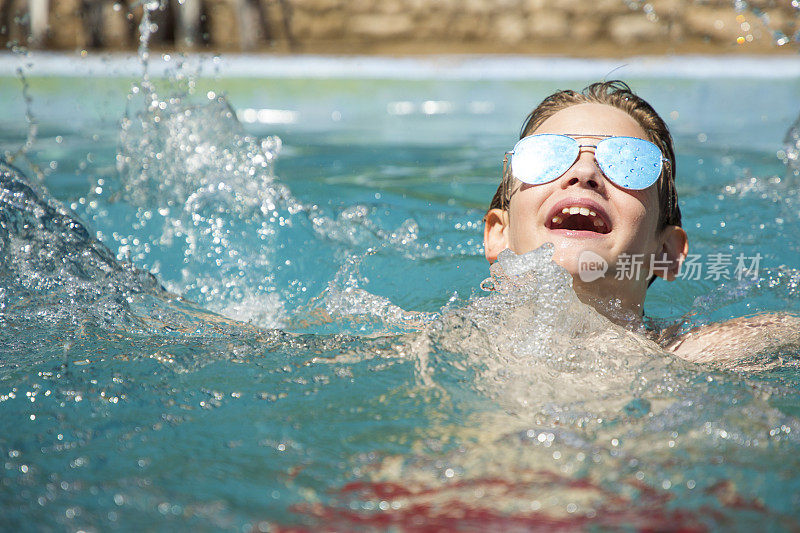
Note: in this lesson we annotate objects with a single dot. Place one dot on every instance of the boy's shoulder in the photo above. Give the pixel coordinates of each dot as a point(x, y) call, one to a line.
point(740, 340)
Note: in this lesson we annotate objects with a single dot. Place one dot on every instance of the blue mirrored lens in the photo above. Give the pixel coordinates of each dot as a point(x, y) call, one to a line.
point(629, 162)
point(542, 158)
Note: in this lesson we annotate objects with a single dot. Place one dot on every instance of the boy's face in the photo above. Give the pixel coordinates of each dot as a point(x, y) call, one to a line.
point(625, 222)
point(632, 216)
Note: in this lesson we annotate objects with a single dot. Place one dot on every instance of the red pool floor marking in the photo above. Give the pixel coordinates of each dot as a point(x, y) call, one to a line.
point(649, 512)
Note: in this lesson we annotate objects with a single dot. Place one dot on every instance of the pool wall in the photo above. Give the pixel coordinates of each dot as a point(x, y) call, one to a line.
point(410, 26)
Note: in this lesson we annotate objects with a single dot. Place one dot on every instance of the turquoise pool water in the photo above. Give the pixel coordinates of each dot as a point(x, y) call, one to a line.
point(299, 217)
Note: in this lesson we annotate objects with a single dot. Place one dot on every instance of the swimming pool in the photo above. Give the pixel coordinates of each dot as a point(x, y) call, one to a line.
point(326, 206)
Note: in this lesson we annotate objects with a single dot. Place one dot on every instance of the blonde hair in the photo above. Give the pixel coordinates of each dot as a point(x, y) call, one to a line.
point(619, 95)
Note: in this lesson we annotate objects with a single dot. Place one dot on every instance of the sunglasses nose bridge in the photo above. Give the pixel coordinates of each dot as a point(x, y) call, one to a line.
point(587, 148)
point(585, 169)
point(590, 148)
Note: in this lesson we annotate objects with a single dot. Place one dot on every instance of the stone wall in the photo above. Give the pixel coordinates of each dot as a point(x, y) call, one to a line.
point(578, 27)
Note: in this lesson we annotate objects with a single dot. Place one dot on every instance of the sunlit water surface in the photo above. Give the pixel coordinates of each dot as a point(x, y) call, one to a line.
point(269, 372)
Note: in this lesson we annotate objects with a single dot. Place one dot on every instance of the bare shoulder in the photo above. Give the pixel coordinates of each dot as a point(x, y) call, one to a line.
point(739, 339)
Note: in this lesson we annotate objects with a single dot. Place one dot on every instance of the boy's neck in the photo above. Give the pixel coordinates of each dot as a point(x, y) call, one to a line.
point(624, 308)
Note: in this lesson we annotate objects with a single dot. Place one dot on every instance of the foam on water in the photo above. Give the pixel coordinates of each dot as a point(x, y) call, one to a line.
point(536, 344)
point(588, 423)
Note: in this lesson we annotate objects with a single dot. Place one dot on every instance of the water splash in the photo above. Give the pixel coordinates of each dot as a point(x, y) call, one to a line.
point(532, 342)
point(46, 250)
point(587, 422)
point(349, 308)
point(146, 30)
point(201, 188)
point(52, 271)
point(21, 153)
point(790, 155)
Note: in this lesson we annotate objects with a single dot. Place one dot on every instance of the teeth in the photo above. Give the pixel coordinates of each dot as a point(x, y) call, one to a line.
point(585, 211)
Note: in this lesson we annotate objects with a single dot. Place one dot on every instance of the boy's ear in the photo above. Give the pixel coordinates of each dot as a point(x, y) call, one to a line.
point(674, 249)
point(495, 233)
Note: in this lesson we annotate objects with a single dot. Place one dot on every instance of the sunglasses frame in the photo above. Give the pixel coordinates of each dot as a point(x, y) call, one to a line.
point(581, 147)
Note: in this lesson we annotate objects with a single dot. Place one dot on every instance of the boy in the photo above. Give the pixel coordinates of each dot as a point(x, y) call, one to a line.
point(593, 174)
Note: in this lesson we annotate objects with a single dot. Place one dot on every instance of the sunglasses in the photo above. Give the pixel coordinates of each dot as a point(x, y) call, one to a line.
point(629, 162)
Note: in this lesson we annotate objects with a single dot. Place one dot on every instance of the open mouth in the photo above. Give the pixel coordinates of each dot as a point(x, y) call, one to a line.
point(579, 218)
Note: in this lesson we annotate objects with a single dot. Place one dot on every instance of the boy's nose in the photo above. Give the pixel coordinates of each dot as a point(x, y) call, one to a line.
point(584, 171)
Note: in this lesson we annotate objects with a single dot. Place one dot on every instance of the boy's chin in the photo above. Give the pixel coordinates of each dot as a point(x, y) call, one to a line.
point(573, 258)
point(585, 264)
point(568, 260)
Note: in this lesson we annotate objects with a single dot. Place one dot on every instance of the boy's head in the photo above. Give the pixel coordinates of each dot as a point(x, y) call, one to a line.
point(580, 194)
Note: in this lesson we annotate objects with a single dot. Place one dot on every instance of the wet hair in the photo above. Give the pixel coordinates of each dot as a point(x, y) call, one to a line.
point(619, 95)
